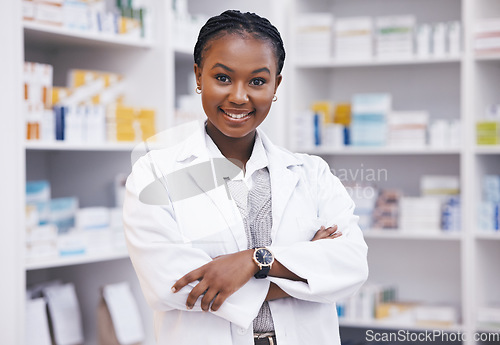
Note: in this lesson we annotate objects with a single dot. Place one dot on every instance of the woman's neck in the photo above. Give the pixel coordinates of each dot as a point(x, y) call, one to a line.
point(239, 149)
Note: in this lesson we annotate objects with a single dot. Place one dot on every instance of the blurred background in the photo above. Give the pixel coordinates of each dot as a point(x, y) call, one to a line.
point(400, 97)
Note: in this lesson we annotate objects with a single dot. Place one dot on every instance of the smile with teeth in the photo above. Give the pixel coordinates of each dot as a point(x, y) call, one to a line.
point(236, 116)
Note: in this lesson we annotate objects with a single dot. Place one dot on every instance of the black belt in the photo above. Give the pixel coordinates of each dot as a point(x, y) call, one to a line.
point(269, 340)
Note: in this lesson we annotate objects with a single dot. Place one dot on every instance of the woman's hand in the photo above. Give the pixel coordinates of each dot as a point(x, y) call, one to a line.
point(325, 233)
point(219, 279)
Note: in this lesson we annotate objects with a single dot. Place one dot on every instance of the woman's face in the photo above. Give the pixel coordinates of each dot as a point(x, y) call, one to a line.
point(238, 82)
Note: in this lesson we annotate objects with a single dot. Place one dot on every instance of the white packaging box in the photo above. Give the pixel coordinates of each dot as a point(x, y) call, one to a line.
point(89, 218)
point(439, 184)
point(446, 315)
point(420, 214)
point(491, 188)
point(41, 233)
point(314, 36)
point(304, 130)
point(41, 249)
point(65, 315)
point(454, 38)
point(28, 10)
point(439, 40)
point(394, 37)
point(76, 15)
point(72, 243)
point(49, 13)
point(353, 38)
point(423, 41)
point(489, 315)
point(37, 325)
point(407, 128)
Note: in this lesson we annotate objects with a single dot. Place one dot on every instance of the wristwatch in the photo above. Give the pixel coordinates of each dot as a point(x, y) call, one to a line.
point(264, 259)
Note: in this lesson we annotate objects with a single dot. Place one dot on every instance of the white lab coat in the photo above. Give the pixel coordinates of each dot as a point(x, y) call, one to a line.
point(167, 242)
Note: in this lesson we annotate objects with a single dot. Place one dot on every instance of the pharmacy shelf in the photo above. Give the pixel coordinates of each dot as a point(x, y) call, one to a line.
point(488, 329)
point(488, 150)
point(488, 236)
point(377, 324)
point(331, 63)
point(37, 34)
point(63, 146)
point(402, 235)
point(382, 150)
point(76, 259)
point(488, 57)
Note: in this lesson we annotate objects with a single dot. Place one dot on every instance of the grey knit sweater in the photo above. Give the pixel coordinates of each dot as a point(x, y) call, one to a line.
point(255, 209)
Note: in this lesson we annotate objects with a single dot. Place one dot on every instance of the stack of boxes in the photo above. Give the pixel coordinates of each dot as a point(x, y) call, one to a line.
point(314, 36)
point(407, 129)
point(369, 119)
point(353, 38)
point(38, 100)
point(384, 38)
point(486, 33)
point(91, 16)
point(489, 208)
point(394, 37)
point(58, 227)
point(129, 124)
point(89, 110)
point(488, 128)
point(437, 209)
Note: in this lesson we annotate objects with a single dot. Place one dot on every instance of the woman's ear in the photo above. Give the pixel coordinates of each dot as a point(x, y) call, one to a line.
point(279, 77)
point(197, 75)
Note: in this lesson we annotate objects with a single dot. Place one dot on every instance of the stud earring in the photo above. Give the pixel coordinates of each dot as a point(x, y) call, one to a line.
point(198, 90)
point(275, 98)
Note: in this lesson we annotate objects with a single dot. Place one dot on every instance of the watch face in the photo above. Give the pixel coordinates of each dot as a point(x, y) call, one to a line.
point(264, 257)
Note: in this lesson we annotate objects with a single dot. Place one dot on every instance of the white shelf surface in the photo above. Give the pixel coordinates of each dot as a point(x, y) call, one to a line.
point(488, 235)
point(332, 63)
point(488, 57)
point(76, 259)
point(377, 324)
point(381, 150)
point(402, 235)
point(63, 146)
point(488, 150)
point(44, 34)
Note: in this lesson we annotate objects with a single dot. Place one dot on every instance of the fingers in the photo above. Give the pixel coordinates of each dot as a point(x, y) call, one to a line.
point(196, 292)
point(208, 298)
point(333, 232)
point(186, 279)
point(221, 297)
point(323, 233)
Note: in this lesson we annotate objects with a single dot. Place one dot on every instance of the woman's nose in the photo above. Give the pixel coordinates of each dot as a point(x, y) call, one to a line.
point(238, 94)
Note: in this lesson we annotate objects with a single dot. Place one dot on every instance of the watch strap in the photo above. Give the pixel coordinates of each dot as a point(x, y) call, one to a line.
point(263, 272)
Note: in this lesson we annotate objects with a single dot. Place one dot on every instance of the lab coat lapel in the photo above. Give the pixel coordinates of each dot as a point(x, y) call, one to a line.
point(283, 179)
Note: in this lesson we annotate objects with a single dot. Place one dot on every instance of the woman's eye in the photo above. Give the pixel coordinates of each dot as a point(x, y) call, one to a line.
point(257, 82)
point(222, 78)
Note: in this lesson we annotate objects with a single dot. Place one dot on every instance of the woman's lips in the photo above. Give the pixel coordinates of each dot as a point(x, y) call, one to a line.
point(237, 113)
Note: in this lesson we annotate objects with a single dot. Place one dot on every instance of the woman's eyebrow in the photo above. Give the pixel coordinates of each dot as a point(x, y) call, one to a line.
point(263, 69)
point(222, 66)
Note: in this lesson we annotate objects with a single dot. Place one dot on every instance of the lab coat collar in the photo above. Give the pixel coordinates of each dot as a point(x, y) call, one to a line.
point(194, 145)
point(283, 179)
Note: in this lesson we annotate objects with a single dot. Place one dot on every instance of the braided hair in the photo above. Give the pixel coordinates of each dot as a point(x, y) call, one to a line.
point(235, 22)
